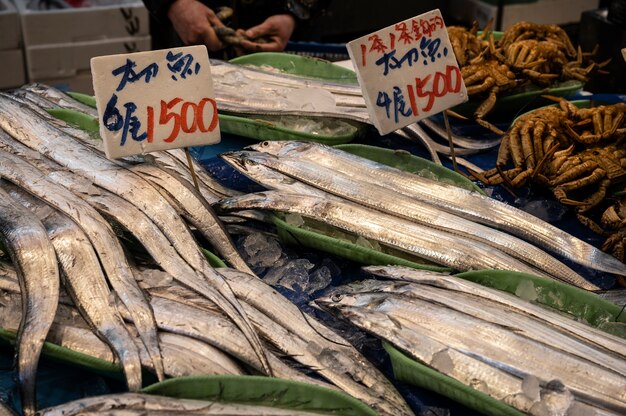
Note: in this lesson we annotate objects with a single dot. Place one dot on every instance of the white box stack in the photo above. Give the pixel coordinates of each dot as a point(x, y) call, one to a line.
point(59, 43)
point(12, 72)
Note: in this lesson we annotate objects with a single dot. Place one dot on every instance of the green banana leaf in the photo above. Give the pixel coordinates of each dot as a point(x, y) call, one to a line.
point(262, 391)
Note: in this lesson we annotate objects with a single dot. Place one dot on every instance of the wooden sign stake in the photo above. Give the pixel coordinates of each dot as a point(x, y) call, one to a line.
point(449, 131)
point(192, 170)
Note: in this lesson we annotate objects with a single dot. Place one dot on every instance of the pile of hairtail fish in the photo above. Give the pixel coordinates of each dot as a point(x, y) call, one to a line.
point(72, 279)
point(102, 260)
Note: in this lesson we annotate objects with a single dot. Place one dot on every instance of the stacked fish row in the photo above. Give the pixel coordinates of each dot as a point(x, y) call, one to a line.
point(182, 351)
point(136, 404)
point(436, 221)
point(536, 360)
point(253, 91)
point(76, 200)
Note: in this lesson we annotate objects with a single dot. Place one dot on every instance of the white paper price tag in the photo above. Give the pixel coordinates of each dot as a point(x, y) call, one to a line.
point(407, 71)
point(155, 100)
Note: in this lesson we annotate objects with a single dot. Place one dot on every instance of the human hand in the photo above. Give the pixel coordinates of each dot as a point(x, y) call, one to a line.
point(277, 29)
point(193, 21)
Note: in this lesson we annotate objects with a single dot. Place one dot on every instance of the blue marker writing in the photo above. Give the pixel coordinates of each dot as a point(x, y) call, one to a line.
point(114, 121)
point(181, 65)
point(129, 75)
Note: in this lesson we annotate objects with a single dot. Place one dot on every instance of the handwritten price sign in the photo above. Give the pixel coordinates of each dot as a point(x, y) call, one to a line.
point(407, 71)
point(155, 100)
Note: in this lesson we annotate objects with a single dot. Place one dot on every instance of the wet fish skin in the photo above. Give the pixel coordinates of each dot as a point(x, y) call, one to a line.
point(150, 236)
point(182, 356)
point(40, 136)
point(31, 252)
point(338, 358)
point(492, 344)
point(37, 99)
point(380, 198)
point(462, 202)
point(463, 368)
point(222, 332)
point(442, 248)
point(177, 190)
point(40, 105)
point(200, 324)
point(214, 185)
point(58, 97)
point(601, 339)
point(153, 404)
point(86, 283)
point(285, 89)
point(222, 363)
point(40, 97)
point(101, 236)
point(268, 177)
point(221, 68)
point(172, 304)
point(8, 278)
point(496, 313)
point(275, 101)
point(136, 222)
point(185, 198)
point(196, 210)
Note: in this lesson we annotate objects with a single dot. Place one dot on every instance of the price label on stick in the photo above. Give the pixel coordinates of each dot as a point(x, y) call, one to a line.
point(407, 71)
point(155, 100)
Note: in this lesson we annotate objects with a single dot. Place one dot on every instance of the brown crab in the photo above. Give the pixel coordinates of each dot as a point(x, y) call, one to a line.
point(488, 78)
point(545, 147)
point(527, 30)
point(579, 154)
point(467, 45)
point(613, 222)
point(590, 126)
point(598, 167)
point(539, 61)
point(613, 227)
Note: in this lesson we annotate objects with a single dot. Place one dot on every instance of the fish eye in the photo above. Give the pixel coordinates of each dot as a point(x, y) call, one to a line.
point(337, 297)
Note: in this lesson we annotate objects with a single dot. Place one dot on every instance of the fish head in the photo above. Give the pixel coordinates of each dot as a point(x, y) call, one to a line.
point(282, 148)
point(235, 159)
point(333, 302)
point(349, 296)
point(247, 201)
point(247, 161)
point(375, 286)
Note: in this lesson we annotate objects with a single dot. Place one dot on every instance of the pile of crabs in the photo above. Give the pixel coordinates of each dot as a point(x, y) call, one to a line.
point(527, 53)
point(577, 153)
point(580, 155)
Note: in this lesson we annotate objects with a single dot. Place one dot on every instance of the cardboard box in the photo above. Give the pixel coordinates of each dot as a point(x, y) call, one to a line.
point(80, 82)
point(106, 19)
point(540, 11)
point(10, 31)
point(12, 72)
point(68, 59)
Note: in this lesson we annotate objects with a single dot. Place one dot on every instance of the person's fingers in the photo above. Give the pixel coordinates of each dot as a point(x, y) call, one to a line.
point(213, 19)
point(261, 47)
point(211, 40)
point(256, 31)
